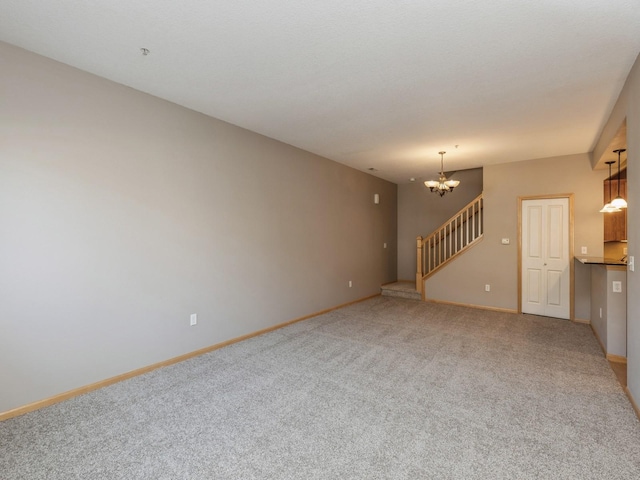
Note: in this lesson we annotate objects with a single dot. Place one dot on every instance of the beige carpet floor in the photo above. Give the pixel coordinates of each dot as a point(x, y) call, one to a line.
point(385, 389)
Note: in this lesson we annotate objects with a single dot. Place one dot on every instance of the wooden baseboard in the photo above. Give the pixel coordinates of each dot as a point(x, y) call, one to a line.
point(608, 356)
point(61, 397)
point(470, 305)
point(581, 320)
point(616, 358)
point(633, 402)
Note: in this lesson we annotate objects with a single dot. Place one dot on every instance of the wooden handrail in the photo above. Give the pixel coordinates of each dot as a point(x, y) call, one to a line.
point(439, 266)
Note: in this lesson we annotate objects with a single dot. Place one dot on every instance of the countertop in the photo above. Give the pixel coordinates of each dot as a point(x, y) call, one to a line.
point(600, 261)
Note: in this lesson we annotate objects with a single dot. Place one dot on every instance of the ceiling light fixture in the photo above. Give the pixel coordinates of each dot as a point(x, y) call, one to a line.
point(442, 185)
point(618, 202)
point(609, 207)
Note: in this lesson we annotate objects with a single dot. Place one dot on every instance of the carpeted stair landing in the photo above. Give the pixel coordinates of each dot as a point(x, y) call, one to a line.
point(401, 289)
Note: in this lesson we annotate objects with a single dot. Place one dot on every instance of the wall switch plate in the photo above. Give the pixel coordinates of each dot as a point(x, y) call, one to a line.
point(505, 241)
point(617, 287)
point(631, 264)
point(350, 284)
point(600, 312)
point(193, 319)
point(487, 288)
point(384, 245)
point(583, 250)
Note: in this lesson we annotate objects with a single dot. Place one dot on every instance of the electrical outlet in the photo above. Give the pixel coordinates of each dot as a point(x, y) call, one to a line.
point(505, 241)
point(583, 250)
point(617, 287)
point(487, 288)
point(193, 320)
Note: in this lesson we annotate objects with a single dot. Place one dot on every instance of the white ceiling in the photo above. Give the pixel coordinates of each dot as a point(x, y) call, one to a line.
point(368, 83)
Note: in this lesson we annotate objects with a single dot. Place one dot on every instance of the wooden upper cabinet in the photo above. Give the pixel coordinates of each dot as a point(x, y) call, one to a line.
point(615, 224)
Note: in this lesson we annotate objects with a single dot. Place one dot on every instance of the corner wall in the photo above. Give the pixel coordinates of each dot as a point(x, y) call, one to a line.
point(628, 106)
point(122, 214)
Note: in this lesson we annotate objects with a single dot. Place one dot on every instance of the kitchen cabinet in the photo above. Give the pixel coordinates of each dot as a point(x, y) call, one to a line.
point(615, 223)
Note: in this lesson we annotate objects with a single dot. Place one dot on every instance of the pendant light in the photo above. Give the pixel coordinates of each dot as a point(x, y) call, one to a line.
point(442, 185)
point(609, 207)
point(619, 202)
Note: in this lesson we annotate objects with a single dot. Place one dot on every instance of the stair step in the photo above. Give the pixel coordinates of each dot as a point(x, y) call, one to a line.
point(402, 290)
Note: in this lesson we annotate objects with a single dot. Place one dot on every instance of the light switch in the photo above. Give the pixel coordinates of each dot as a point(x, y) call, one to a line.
point(630, 263)
point(617, 287)
point(583, 250)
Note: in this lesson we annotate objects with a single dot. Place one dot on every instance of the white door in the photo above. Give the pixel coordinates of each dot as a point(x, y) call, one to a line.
point(546, 273)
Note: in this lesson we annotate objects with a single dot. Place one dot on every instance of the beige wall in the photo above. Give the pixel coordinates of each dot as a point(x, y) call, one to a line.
point(122, 214)
point(420, 212)
point(628, 106)
point(490, 262)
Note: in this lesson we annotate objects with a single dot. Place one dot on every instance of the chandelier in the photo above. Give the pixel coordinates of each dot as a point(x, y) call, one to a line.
point(442, 185)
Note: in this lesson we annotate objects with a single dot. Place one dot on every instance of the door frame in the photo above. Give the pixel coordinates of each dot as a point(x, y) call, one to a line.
point(571, 252)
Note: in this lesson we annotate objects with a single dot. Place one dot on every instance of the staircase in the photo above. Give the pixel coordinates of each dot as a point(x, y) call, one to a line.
point(453, 237)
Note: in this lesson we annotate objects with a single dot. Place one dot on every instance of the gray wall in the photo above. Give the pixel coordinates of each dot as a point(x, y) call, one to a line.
point(633, 215)
point(122, 214)
point(420, 212)
point(490, 262)
point(628, 106)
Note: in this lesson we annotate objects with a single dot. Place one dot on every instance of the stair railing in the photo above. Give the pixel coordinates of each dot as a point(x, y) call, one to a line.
point(454, 236)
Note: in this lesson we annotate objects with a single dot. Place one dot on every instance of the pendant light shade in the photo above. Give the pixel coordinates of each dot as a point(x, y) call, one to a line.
point(608, 207)
point(618, 202)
